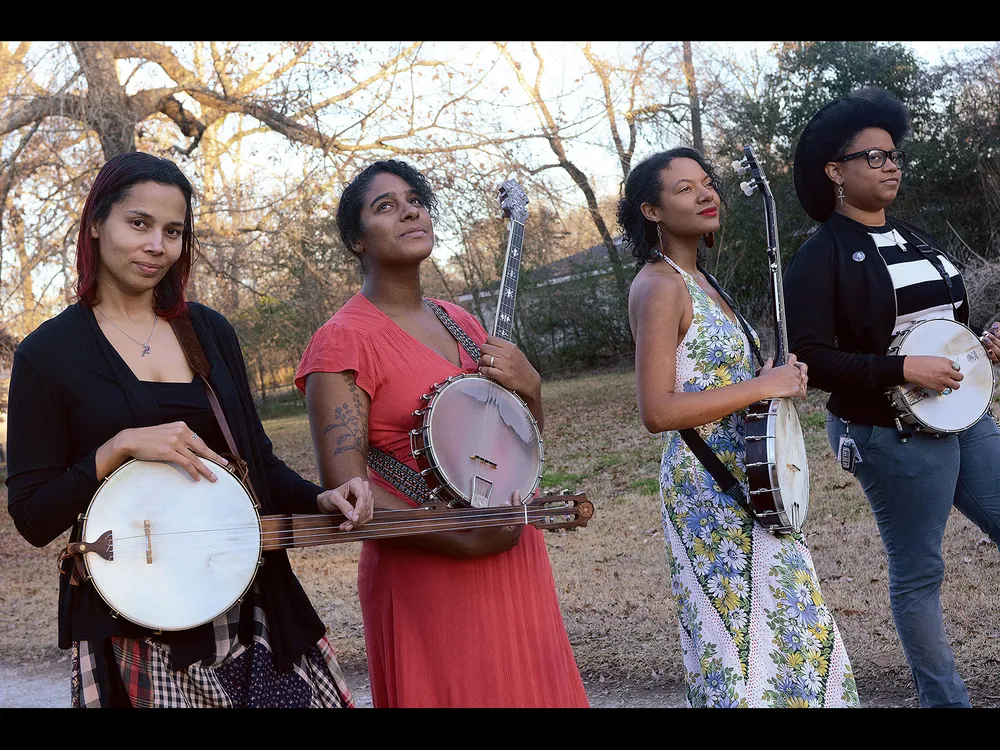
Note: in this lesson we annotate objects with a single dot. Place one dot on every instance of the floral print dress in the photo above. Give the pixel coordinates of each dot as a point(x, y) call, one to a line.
point(755, 629)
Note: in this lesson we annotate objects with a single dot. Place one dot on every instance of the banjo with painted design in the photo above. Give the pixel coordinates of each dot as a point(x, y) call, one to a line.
point(478, 442)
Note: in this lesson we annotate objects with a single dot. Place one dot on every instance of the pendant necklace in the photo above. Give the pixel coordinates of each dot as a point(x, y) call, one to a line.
point(144, 345)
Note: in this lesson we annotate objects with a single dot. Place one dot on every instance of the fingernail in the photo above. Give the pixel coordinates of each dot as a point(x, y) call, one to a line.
point(215, 478)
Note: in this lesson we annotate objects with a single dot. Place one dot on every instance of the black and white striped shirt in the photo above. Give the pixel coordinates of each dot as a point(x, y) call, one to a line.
point(920, 289)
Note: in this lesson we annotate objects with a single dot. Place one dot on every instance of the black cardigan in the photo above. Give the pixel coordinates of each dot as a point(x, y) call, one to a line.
point(840, 314)
point(70, 392)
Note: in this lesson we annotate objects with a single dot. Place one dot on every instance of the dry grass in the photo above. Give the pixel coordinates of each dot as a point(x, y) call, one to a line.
point(611, 575)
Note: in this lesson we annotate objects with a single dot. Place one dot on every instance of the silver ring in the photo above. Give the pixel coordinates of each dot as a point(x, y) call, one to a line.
point(956, 366)
point(194, 435)
point(492, 360)
point(946, 391)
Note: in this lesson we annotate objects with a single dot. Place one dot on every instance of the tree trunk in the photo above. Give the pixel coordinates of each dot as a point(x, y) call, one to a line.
point(106, 106)
point(692, 85)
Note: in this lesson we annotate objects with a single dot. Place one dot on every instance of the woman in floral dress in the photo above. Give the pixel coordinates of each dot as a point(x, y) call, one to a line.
point(755, 628)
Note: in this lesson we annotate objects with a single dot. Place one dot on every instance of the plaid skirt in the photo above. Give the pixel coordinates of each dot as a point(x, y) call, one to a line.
point(120, 671)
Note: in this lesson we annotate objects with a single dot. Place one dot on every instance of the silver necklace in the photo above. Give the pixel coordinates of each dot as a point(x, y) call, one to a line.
point(144, 345)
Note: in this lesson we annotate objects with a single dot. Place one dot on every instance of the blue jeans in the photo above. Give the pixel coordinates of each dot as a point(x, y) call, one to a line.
point(911, 488)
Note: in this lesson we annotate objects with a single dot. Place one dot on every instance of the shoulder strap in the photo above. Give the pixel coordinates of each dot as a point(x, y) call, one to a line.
point(747, 330)
point(726, 481)
point(195, 354)
point(930, 252)
point(399, 475)
point(455, 330)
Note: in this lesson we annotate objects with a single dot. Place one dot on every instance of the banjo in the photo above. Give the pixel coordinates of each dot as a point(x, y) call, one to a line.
point(949, 411)
point(776, 462)
point(478, 441)
point(170, 553)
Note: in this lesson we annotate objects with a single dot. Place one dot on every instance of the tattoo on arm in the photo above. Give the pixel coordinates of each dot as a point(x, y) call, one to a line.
point(350, 428)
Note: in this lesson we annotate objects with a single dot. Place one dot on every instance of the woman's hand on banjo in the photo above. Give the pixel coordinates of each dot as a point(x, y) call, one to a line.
point(339, 501)
point(491, 540)
point(791, 380)
point(174, 442)
point(934, 373)
point(991, 340)
point(503, 362)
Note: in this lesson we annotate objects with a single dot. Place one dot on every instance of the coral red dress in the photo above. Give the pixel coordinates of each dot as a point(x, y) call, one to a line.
point(441, 631)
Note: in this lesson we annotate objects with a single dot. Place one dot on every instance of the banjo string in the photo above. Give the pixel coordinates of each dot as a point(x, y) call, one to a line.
point(291, 538)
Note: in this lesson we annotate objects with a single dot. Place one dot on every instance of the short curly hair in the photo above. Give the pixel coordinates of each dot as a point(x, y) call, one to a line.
point(643, 186)
point(352, 199)
point(830, 131)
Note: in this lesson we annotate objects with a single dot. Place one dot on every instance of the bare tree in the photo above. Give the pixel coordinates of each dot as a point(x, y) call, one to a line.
point(631, 94)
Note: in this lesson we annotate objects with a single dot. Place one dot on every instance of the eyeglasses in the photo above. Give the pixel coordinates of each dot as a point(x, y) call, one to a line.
point(877, 156)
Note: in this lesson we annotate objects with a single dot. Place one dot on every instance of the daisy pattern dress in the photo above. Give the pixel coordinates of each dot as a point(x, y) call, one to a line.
point(755, 629)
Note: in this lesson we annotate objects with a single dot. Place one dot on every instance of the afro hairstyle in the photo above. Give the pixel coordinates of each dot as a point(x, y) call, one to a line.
point(830, 131)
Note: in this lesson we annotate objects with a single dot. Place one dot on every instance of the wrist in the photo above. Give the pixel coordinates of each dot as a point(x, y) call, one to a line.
point(120, 450)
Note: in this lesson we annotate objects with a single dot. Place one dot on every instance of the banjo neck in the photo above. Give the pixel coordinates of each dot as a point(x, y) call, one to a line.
point(513, 201)
point(777, 290)
point(287, 531)
point(759, 182)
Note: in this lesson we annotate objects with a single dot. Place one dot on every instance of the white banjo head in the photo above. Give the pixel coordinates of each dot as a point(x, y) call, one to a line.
point(791, 464)
point(962, 407)
point(184, 552)
point(501, 454)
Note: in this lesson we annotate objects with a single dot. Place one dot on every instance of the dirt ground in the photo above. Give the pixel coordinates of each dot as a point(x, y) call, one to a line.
point(610, 575)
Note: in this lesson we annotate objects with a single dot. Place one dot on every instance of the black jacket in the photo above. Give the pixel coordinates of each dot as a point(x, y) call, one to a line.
point(70, 392)
point(840, 314)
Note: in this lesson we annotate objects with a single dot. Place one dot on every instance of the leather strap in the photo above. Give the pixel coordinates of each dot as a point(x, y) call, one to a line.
point(191, 345)
point(726, 481)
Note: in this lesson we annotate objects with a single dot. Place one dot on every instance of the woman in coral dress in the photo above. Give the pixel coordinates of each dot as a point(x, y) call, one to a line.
point(452, 619)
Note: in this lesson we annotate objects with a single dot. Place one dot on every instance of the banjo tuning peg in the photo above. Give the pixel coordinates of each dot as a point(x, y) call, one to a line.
point(748, 187)
point(740, 165)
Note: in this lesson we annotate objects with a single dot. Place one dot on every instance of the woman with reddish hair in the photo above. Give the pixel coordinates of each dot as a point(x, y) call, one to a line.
point(108, 380)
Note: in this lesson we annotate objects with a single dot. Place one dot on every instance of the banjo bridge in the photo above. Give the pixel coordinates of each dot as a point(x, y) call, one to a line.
point(483, 461)
point(149, 543)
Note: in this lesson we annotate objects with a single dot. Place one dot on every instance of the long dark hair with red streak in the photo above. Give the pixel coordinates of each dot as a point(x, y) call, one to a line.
point(112, 185)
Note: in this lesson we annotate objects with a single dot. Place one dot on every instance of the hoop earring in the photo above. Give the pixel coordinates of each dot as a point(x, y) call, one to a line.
point(840, 194)
point(709, 239)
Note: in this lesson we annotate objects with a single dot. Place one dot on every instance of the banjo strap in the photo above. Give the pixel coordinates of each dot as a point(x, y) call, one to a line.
point(405, 479)
point(191, 344)
point(726, 481)
point(455, 330)
point(934, 258)
point(739, 316)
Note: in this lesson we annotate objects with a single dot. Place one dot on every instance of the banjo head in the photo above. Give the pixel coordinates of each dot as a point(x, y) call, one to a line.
point(961, 408)
point(791, 465)
point(183, 552)
point(482, 442)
